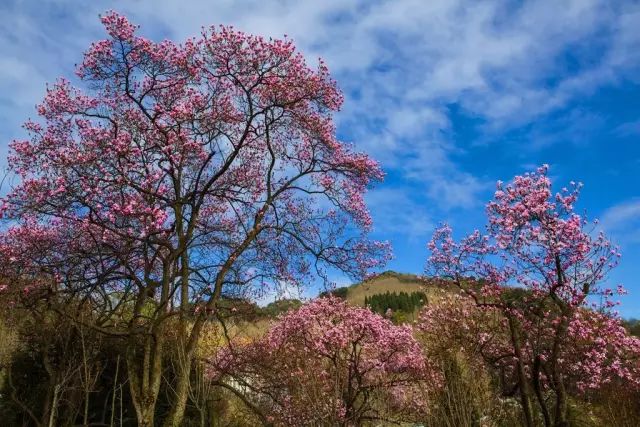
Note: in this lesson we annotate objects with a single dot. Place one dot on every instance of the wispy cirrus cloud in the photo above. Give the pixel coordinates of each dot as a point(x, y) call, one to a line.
point(449, 95)
point(401, 63)
point(622, 221)
point(628, 129)
point(396, 213)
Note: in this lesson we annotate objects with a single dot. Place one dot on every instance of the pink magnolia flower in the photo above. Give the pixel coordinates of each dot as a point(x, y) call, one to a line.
point(329, 361)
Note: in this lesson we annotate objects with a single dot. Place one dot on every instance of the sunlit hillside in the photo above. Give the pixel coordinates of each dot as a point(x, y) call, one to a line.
point(391, 281)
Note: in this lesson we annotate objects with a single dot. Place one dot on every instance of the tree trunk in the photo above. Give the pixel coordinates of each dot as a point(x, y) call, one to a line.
point(538, 390)
point(186, 348)
point(145, 415)
point(54, 405)
point(561, 410)
point(190, 339)
point(523, 383)
point(145, 376)
point(115, 389)
point(189, 343)
point(176, 414)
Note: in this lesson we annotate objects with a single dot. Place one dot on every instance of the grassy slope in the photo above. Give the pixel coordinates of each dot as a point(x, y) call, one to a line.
point(388, 281)
point(392, 282)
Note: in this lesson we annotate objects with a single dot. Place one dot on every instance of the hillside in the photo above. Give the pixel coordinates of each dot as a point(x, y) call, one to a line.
point(388, 281)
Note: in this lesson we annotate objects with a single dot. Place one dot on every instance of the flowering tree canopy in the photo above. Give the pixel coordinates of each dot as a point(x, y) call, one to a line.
point(182, 171)
point(331, 364)
point(536, 241)
point(222, 148)
point(598, 350)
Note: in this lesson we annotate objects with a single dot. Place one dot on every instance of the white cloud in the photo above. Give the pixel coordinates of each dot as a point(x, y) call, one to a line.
point(631, 128)
point(400, 62)
point(395, 212)
point(622, 221)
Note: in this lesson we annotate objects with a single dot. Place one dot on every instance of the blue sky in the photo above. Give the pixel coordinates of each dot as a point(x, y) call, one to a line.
point(450, 96)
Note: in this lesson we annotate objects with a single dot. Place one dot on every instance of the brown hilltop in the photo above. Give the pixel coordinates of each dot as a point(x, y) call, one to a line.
point(392, 282)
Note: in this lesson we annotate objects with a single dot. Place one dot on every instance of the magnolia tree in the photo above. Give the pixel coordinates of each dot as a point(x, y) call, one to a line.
point(597, 350)
point(546, 333)
point(177, 174)
point(328, 363)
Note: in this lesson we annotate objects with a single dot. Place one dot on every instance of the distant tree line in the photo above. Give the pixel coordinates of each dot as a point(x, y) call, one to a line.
point(337, 292)
point(633, 326)
point(403, 301)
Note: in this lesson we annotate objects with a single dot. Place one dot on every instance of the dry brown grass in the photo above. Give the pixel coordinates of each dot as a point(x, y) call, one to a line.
point(213, 338)
point(8, 345)
point(391, 282)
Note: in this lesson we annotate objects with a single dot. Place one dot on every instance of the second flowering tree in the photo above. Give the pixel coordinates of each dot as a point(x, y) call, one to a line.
point(328, 363)
point(534, 270)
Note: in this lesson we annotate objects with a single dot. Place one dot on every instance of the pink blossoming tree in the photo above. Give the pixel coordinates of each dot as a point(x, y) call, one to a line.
point(179, 173)
point(546, 334)
point(328, 363)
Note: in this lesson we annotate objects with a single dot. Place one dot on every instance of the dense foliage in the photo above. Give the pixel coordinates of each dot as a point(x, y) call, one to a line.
point(328, 363)
point(394, 301)
point(341, 292)
point(549, 340)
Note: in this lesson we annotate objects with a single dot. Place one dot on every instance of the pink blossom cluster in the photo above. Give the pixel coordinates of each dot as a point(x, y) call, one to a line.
point(601, 351)
point(534, 239)
point(224, 143)
point(328, 362)
point(597, 350)
point(534, 271)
